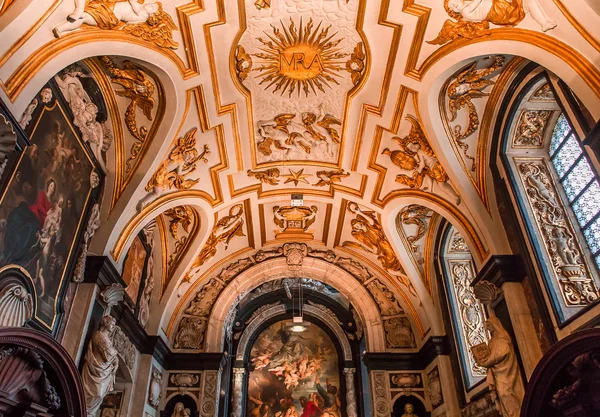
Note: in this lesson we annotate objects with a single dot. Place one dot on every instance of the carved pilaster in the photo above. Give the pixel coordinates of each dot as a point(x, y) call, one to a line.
point(210, 400)
point(351, 408)
point(238, 382)
point(381, 407)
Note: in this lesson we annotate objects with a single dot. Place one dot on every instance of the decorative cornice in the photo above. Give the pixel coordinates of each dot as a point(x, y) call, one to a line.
point(500, 269)
point(434, 346)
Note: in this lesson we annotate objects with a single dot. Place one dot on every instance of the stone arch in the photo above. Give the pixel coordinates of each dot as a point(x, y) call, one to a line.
point(272, 269)
point(275, 311)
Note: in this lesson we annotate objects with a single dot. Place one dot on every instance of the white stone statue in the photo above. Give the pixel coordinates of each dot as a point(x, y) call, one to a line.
point(503, 373)
point(100, 367)
point(501, 12)
point(106, 14)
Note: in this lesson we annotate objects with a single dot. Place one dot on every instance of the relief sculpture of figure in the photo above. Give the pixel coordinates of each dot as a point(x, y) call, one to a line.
point(474, 16)
point(173, 171)
point(100, 367)
point(143, 19)
point(503, 373)
point(417, 156)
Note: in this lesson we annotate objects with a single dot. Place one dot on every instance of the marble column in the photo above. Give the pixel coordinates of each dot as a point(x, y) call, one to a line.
point(238, 384)
point(351, 410)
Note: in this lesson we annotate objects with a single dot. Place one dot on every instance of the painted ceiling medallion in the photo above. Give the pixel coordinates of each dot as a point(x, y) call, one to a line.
point(298, 64)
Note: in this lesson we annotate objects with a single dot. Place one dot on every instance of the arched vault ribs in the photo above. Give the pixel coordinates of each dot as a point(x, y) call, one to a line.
point(201, 317)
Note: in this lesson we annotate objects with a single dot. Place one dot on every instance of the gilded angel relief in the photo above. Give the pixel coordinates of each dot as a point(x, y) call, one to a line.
point(137, 87)
point(472, 18)
point(286, 134)
point(418, 161)
point(146, 20)
point(173, 172)
point(367, 230)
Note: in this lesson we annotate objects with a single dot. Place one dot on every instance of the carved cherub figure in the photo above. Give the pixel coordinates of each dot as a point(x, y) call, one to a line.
point(145, 20)
point(416, 155)
point(330, 177)
point(138, 87)
point(173, 171)
point(472, 18)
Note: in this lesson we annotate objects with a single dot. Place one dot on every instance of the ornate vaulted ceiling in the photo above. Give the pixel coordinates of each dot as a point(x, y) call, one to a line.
point(379, 113)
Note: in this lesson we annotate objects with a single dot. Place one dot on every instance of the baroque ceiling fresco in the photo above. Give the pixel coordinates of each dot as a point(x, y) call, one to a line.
point(380, 114)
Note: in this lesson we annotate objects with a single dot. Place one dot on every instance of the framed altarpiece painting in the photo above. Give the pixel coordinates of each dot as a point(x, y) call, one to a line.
point(47, 191)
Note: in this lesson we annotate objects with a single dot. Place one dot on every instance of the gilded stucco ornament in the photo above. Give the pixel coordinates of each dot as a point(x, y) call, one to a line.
point(368, 231)
point(468, 85)
point(173, 171)
point(286, 132)
point(144, 20)
point(243, 63)
point(418, 216)
point(418, 161)
point(294, 221)
point(184, 217)
point(296, 177)
point(330, 177)
point(137, 87)
point(224, 231)
point(471, 18)
point(321, 60)
point(268, 176)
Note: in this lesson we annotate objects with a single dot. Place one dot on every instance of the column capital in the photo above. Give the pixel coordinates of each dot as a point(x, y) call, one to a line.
point(239, 371)
point(349, 371)
point(500, 269)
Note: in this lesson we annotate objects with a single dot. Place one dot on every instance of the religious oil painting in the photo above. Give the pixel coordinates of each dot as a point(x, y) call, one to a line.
point(134, 268)
point(43, 205)
point(293, 374)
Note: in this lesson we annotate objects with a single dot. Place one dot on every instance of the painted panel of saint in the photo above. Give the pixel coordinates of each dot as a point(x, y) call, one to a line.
point(43, 204)
point(134, 268)
point(293, 374)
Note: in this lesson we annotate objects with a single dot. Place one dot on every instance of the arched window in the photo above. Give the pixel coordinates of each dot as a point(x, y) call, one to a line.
point(557, 190)
point(466, 312)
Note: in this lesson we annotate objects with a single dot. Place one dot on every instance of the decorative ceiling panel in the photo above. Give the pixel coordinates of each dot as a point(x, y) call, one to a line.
point(299, 64)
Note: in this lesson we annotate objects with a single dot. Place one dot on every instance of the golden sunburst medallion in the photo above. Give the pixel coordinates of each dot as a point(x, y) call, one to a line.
point(303, 59)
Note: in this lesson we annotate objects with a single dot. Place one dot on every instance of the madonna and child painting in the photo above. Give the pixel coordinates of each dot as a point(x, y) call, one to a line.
point(44, 202)
point(293, 374)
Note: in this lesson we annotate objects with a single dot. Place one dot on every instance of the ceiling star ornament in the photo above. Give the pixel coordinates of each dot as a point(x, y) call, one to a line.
point(296, 177)
point(304, 58)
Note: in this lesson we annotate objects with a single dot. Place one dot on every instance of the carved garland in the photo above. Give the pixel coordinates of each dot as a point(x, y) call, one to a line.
point(558, 236)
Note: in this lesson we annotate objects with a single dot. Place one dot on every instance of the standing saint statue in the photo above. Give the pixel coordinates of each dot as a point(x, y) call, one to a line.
point(503, 373)
point(100, 367)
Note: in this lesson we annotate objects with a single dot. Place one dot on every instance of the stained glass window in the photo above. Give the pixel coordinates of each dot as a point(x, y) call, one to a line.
point(467, 313)
point(578, 180)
